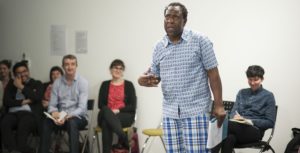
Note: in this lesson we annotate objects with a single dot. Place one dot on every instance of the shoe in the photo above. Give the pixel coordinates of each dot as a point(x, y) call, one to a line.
point(29, 150)
point(124, 142)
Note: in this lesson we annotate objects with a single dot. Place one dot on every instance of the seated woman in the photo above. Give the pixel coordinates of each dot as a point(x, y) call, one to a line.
point(55, 72)
point(5, 77)
point(255, 104)
point(117, 104)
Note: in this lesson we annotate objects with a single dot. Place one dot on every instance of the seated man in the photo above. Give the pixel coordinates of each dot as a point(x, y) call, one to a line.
point(255, 104)
point(22, 98)
point(69, 94)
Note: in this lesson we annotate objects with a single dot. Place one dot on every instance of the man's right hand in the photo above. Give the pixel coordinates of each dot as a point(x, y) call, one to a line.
point(149, 80)
point(220, 114)
point(55, 115)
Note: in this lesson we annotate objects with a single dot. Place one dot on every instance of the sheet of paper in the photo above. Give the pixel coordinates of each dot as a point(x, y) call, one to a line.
point(243, 121)
point(58, 40)
point(81, 42)
point(216, 135)
point(62, 115)
point(49, 116)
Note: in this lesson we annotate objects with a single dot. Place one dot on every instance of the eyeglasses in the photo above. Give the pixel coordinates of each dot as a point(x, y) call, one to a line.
point(21, 73)
point(118, 68)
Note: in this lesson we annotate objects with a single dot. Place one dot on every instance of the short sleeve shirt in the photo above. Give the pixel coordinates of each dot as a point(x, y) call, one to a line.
point(182, 68)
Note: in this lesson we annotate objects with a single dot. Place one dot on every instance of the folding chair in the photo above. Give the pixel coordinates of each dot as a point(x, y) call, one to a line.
point(262, 145)
point(98, 130)
point(228, 106)
point(83, 137)
point(153, 133)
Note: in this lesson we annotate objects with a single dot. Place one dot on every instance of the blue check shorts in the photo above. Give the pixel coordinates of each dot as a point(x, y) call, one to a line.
point(186, 135)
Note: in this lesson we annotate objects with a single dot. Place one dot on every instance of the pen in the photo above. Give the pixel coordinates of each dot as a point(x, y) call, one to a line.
point(237, 113)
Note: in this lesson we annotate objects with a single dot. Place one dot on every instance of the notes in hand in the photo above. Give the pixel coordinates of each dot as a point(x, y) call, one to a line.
point(62, 115)
point(242, 121)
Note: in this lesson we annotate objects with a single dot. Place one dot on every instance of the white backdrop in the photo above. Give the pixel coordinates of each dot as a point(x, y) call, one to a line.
point(243, 32)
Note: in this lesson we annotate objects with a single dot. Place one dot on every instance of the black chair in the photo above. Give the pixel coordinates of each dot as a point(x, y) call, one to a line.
point(83, 137)
point(228, 106)
point(262, 145)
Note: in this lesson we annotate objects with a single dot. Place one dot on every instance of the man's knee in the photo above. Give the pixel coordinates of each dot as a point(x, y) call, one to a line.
point(231, 139)
point(72, 124)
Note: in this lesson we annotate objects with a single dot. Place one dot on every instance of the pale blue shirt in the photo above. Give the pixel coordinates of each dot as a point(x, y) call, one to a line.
point(182, 68)
point(71, 99)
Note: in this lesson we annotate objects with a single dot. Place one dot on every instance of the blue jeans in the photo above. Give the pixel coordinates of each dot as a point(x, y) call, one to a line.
point(72, 126)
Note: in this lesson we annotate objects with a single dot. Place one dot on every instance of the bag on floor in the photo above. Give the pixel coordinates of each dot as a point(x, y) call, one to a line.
point(118, 148)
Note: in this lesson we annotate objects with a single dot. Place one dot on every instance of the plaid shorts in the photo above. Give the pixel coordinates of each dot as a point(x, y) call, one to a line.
point(187, 135)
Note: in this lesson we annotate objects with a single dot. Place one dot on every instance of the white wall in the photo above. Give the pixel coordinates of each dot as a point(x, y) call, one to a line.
point(244, 33)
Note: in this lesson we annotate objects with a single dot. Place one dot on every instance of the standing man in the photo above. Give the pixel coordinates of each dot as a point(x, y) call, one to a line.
point(184, 62)
point(69, 94)
point(23, 101)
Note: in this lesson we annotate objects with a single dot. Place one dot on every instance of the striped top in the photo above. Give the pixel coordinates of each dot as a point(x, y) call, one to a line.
point(182, 68)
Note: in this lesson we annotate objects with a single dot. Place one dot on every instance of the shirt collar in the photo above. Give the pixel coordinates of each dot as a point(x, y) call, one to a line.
point(75, 78)
point(257, 91)
point(184, 37)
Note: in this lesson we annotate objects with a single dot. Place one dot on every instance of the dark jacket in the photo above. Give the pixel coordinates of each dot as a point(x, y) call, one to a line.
point(33, 90)
point(130, 96)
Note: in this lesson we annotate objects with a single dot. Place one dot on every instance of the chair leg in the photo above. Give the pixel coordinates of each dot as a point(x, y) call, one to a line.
point(163, 143)
point(85, 145)
point(272, 149)
point(145, 144)
point(98, 141)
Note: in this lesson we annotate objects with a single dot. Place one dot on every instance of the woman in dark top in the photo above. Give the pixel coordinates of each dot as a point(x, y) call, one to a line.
point(5, 77)
point(117, 104)
point(55, 72)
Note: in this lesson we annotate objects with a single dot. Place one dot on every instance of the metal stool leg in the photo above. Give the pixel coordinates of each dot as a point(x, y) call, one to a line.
point(145, 144)
point(98, 141)
point(163, 143)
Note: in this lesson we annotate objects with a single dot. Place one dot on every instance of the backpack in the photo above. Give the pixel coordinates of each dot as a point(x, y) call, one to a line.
point(118, 148)
point(293, 145)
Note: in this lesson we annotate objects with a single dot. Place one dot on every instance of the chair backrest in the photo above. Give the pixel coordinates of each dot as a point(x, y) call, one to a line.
point(228, 105)
point(90, 104)
point(90, 108)
point(262, 145)
point(273, 129)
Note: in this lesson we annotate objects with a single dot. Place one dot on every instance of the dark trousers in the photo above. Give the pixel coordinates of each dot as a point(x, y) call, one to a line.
point(238, 134)
point(1, 116)
point(16, 128)
point(109, 122)
point(72, 126)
